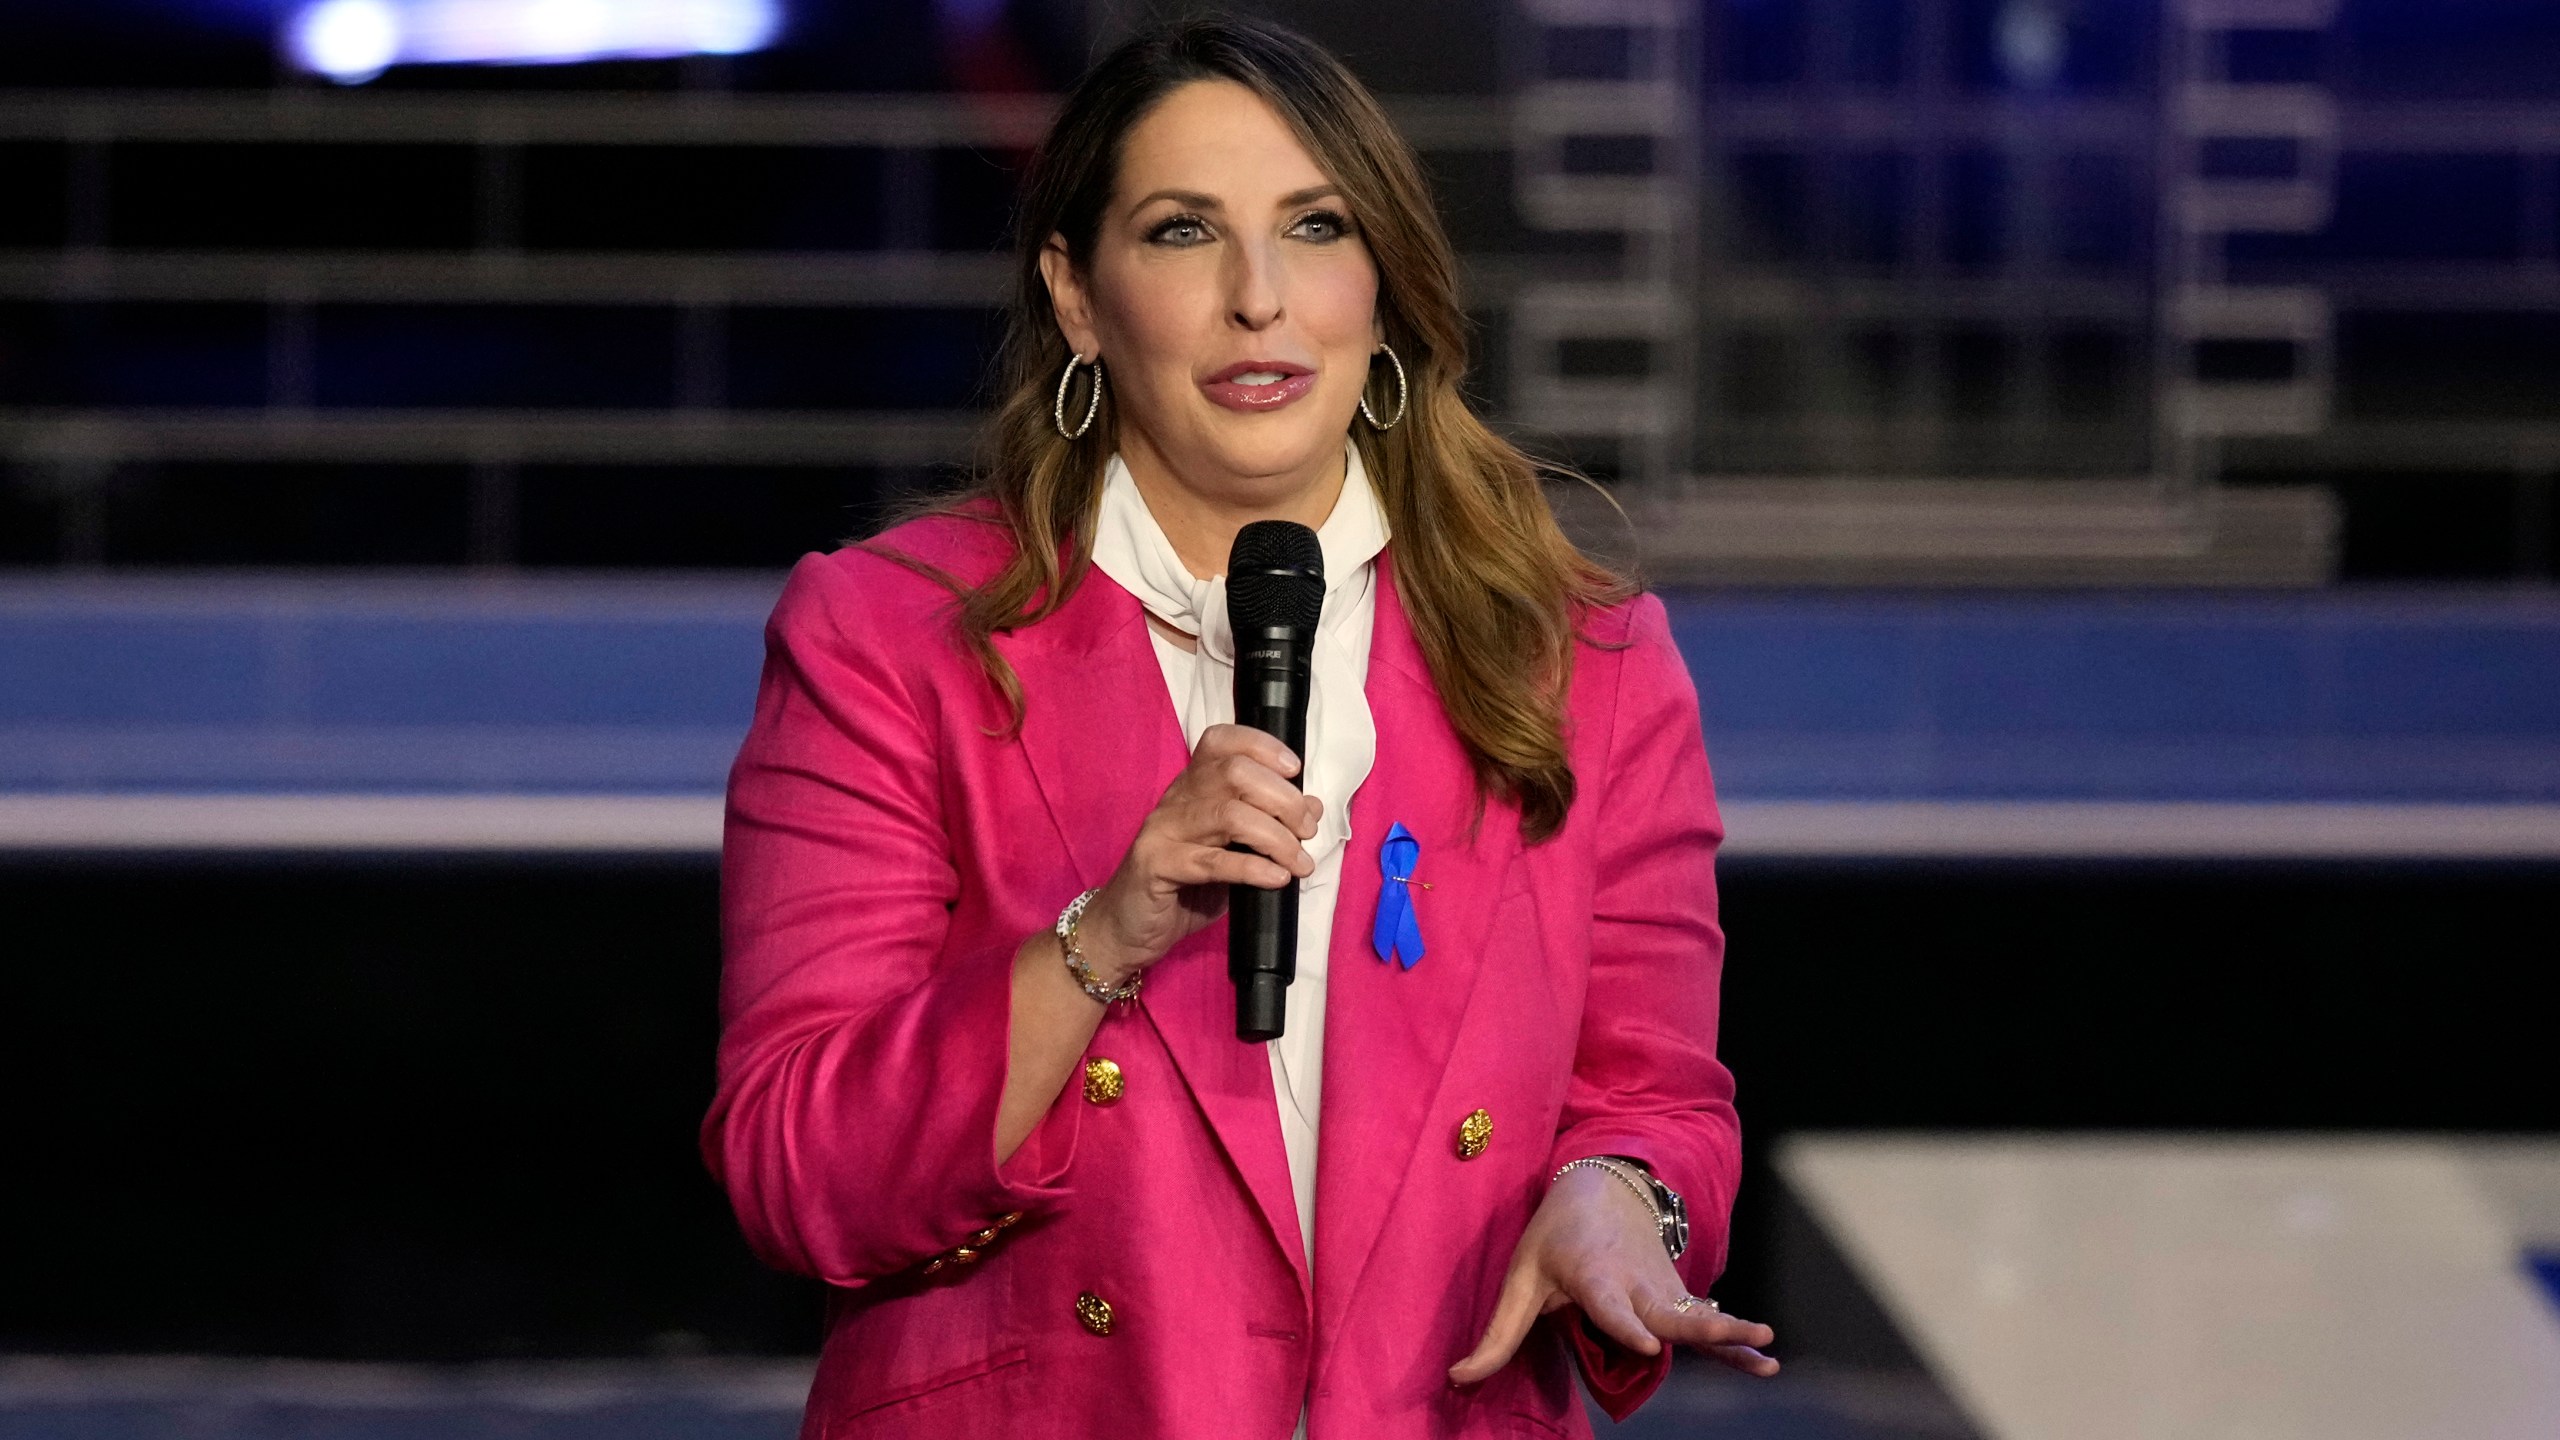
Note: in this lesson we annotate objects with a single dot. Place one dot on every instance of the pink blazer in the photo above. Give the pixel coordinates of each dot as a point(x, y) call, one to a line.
point(886, 853)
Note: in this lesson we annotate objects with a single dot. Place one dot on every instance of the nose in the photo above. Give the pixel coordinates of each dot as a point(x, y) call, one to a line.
point(1253, 286)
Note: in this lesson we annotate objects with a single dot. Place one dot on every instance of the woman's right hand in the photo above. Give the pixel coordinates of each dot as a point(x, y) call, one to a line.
point(1174, 880)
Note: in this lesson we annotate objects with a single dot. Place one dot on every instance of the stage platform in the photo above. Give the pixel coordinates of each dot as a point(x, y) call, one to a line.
point(599, 715)
point(357, 857)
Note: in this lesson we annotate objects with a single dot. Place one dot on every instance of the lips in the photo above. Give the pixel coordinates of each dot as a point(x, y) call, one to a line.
point(1252, 385)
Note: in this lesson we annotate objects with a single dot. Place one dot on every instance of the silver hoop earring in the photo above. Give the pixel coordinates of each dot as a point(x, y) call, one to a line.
point(1092, 403)
point(1401, 399)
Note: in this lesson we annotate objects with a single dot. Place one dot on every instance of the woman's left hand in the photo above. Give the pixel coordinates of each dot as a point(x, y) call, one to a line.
point(1593, 1244)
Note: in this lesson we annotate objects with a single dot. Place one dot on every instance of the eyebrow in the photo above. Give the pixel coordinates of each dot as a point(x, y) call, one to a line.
point(1198, 201)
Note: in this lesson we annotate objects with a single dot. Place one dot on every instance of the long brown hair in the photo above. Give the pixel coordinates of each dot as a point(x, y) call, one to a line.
point(1493, 589)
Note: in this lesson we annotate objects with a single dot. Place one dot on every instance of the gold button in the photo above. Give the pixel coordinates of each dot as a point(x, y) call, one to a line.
point(1095, 1312)
point(964, 1256)
point(984, 1237)
point(1474, 1133)
point(936, 1263)
point(1003, 1221)
point(1102, 1083)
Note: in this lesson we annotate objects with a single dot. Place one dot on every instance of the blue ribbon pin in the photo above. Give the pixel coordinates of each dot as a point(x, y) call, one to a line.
point(1397, 935)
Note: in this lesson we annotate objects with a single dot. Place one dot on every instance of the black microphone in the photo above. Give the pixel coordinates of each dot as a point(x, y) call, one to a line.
point(1275, 593)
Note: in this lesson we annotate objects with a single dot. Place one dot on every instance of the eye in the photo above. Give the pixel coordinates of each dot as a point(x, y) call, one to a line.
point(1179, 230)
point(1321, 225)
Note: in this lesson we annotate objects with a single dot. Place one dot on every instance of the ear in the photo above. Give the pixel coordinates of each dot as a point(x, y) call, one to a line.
point(1068, 299)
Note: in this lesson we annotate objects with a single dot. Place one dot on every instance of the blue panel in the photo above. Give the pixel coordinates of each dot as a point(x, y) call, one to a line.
point(2122, 675)
point(2324, 696)
point(645, 686)
point(377, 684)
point(1766, 666)
point(73, 669)
point(442, 671)
point(2450, 680)
point(1757, 763)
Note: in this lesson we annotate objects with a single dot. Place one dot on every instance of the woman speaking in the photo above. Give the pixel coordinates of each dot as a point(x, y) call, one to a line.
point(980, 1070)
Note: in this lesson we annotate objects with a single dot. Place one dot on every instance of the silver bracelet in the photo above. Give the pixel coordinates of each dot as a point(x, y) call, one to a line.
point(1079, 967)
point(1602, 1162)
point(1670, 1212)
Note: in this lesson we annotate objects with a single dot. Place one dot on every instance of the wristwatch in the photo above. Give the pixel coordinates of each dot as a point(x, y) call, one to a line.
point(1670, 1212)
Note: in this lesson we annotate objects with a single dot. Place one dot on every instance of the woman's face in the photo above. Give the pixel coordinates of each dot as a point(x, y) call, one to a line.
point(1230, 299)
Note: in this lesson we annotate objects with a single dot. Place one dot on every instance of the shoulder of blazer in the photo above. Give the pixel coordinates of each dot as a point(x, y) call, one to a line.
point(1620, 644)
point(896, 585)
point(1613, 626)
point(890, 605)
point(966, 545)
point(884, 608)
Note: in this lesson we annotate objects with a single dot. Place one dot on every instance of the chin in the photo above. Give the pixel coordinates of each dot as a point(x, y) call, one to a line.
point(1273, 449)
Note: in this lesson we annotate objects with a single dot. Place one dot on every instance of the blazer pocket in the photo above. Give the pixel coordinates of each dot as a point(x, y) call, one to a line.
point(932, 1388)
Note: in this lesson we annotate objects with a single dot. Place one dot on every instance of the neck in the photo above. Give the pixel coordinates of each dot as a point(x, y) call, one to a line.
point(1202, 520)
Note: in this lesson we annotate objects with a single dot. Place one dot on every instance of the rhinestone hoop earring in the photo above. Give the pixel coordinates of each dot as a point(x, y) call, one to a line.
point(1371, 415)
point(1092, 403)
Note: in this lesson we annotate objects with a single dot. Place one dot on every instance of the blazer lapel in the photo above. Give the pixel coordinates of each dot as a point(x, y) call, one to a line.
point(1389, 1031)
point(1103, 742)
point(1097, 725)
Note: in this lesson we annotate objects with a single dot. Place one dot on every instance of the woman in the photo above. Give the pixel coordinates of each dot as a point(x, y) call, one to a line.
point(979, 1071)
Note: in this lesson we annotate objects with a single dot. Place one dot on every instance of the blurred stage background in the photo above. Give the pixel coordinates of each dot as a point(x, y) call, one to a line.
point(2100, 455)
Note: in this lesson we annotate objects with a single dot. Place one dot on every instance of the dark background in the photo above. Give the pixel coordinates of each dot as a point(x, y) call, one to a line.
point(2442, 262)
point(446, 1109)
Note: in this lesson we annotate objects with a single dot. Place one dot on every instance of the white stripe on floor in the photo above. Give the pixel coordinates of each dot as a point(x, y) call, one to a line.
point(2142, 1289)
point(595, 824)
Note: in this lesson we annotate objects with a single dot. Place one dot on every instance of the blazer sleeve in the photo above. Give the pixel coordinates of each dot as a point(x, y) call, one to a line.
point(861, 1055)
point(1646, 1082)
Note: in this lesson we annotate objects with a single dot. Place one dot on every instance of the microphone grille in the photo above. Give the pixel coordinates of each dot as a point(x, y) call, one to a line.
point(1275, 576)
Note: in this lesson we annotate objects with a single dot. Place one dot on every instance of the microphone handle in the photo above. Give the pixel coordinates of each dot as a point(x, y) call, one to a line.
point(1272, 683)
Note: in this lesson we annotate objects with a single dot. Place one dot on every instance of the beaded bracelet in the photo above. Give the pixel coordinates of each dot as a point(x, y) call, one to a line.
point(1614, 1167)
point(1077, 965)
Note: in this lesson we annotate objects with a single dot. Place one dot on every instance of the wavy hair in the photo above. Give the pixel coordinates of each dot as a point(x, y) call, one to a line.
point(1494, 591)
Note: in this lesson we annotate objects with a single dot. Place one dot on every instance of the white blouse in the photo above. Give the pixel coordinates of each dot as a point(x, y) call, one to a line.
point(1342, 739)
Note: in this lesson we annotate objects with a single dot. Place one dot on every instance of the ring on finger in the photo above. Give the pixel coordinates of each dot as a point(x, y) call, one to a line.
point(1688, 1302)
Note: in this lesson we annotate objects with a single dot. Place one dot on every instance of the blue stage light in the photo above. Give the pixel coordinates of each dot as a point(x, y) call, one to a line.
point(351, 41)
point(2032, 41)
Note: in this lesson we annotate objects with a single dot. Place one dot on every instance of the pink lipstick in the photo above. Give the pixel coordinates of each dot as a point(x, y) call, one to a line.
point(1259, 384)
